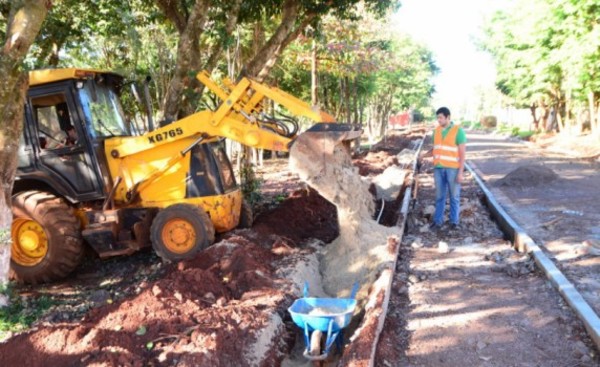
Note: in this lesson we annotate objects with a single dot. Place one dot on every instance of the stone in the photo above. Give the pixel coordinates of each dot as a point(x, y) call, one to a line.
point(443, 247)
point(429, 210)
point(156, 291)
point(580, 349)
point(100, 296)
point(221, 302)
point(416, 244)
point(481, 345)
point(178, 296)
point(591, 247)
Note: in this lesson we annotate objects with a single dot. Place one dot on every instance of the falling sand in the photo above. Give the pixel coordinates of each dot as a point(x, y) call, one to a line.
point(360, 249)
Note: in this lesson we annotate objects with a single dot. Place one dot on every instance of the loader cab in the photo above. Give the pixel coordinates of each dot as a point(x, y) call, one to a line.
point(68, 115)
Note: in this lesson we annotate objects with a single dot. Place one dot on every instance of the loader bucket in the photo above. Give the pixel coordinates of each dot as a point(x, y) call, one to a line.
point(321, 139)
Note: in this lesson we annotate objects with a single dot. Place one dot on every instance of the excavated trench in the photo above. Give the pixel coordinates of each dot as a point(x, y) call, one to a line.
point(367, 193)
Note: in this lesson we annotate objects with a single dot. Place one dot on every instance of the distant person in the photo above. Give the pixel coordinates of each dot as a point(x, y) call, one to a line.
point(449, 148)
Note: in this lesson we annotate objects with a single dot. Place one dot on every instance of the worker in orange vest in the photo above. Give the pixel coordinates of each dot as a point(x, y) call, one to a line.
point(449, 148)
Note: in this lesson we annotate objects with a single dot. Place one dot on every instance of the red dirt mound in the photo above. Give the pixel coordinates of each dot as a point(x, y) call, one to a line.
point(207, 311)
point(382, 154)
point(303, 215)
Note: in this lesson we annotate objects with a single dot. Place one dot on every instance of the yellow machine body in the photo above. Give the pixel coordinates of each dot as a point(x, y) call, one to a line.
point(160, 172)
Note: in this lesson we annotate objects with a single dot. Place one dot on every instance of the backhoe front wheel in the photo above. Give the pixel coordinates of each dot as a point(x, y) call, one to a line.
point(180, 231)
point(46, 238)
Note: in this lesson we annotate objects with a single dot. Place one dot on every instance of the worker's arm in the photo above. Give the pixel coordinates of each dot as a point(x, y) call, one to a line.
point(462, 149)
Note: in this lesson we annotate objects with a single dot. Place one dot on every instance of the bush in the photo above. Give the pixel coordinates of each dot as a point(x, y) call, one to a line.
point(250, 184)
point(489, 121)
point(525, 134)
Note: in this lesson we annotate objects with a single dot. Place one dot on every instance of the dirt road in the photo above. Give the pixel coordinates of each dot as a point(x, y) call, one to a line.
point(466, 298)
point(561, 212)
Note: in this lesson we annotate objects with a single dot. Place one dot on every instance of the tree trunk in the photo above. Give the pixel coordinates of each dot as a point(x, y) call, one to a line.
point(597, 128)
point(340, 107)
point(24, 23)
point(361, 103)
point(355, 101)
point(260, 66)
point(217, 50)
point(347, 100)
point(593, 117)
point(188, 55)
point(314, 81)
point(536, 122)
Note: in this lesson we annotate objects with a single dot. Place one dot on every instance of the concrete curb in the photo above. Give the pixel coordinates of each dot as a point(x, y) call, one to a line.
point(523, 242)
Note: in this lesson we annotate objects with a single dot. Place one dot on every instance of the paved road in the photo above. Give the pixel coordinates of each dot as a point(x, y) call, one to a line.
point(559, 215)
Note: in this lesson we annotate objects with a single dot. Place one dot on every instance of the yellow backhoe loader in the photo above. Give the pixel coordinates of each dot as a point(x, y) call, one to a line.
point(85, 177)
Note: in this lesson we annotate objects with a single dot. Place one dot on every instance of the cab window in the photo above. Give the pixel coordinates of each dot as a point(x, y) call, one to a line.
point(53, 122)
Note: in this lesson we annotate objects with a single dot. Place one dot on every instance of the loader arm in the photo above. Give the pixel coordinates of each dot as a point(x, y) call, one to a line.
point(234, 119)
point(237, 119)
point(258, 93)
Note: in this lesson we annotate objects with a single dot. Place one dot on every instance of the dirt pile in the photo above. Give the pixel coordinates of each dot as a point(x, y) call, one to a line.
point(362, 243)
point(219, 309)
point(382, 155)
point(528, 176)
point(303, 215)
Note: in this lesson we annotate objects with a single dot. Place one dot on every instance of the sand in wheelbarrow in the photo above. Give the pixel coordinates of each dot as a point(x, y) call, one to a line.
point(362, 244)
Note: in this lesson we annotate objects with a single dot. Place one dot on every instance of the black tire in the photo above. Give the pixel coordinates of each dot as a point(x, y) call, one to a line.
point(62, 229)
point(186, 218)
point(246, 215)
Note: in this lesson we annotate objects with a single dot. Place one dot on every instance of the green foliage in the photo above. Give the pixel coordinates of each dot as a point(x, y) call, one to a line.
point(546, 51)
point(365, 70)
point(525, 134)
point(22, 311)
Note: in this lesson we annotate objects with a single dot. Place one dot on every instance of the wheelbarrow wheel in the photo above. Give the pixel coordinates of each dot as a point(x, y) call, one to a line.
point(315, 343)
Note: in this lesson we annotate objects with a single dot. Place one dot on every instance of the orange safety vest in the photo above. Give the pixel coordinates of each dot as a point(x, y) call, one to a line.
point(445, 151)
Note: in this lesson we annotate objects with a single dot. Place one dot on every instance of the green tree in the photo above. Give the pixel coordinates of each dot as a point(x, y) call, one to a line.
point(548, 56)
point(24, 20)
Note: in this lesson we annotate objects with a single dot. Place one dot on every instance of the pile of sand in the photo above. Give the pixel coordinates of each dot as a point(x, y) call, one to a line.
point(362, 244)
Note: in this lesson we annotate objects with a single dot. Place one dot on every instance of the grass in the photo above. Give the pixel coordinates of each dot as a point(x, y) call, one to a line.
point(525, 134)
point(21, 311)
point(472, 125)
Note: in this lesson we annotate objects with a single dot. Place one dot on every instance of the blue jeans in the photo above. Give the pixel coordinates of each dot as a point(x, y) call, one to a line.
point(445, 180)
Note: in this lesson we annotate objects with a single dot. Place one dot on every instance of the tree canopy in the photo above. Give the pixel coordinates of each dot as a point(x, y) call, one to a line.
point(547, 53)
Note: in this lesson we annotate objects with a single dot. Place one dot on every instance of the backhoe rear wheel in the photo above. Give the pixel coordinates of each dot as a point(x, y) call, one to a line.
point(180, 231)
point(246, 216)
point(46, 238)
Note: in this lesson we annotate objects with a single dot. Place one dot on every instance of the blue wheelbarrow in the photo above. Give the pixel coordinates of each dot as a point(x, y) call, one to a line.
point(322, 316)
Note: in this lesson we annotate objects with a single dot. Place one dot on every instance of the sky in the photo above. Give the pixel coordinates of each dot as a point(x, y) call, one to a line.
point(447, 28)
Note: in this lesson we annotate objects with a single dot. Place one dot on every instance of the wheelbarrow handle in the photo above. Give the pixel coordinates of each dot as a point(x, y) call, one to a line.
point(354, 290)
